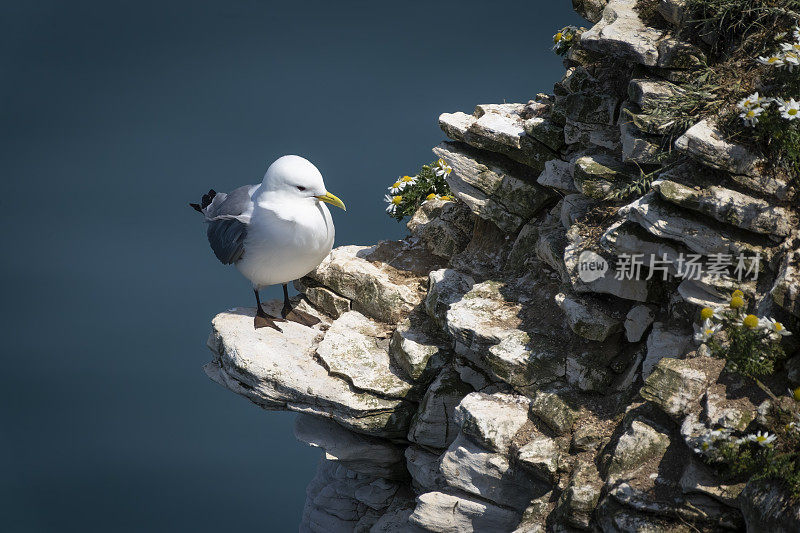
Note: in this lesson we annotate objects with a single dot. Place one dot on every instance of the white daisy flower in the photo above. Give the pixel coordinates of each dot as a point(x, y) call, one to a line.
point(774, 60)
point(442, 169)
point(751, 101)
point(789, 110)
point(705, 331)
point(774, 327)
point(791, 60)
point(408, 181)
point(393, 202)
point(397, 187)
point(762, 438)
point(750, 116)
point(791, 47)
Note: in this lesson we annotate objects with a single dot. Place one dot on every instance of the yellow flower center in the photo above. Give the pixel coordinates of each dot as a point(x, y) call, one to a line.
point(704, 446)
point(792, 112)
point(406, 179)
point(796, 394)
point(761, 438)
point(396, 184)
point(751, 114)
point(738, 293)
point(778, 326)
point(772, 59)
point(706, 313)
point(557, 37)
point(751, 321)
point(397, 199)
point(709, 331)
point(446, 198)
point(431, 196)
point(737, 302)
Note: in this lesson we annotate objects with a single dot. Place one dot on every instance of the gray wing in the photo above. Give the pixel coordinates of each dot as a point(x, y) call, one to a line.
point(228, 216)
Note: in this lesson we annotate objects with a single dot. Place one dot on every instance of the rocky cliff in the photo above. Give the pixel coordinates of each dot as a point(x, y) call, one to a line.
point(488, 373)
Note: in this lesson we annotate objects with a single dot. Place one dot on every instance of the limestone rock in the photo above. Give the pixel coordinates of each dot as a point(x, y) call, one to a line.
point(445, 287)
point(598, 175)
point(359, 453)
point(638, 147)
point(500, 133)
point(589, 136)
point(443, 226)
point(469, 467)
point(574, 208)
point(591, 10)
point(649, 93)
point(511, 187)
point(729, 207)
point(637, 321)
point(540, 456)
point(585, 107)
point(558, 175)
point(523, 251)
point(640, 443)
point(278, 371)
point(356, 349)
point(424, 469)
point(664, 220)
point(578, 501)
point(440, 512)
point(767, 508)
point(676, 386)
point(492, 420)
point(786, 290)
point(697, 478)
point(546, 132)
point(489, 331)
point(621, 33)
point(382, 281)
point(551, 409)
point(587, 317)
point(663, 342)
point(323, 298)
point(434, 423)
point(340, 500)
point(673, 11)
point(705, 142)
point(419, 348)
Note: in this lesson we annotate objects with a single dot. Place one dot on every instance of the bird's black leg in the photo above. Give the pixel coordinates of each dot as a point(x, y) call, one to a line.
point(262, 319)
point(287, 305)
point(295, 315)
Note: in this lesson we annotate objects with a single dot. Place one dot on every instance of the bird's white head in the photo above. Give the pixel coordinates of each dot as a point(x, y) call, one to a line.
point(292, 177)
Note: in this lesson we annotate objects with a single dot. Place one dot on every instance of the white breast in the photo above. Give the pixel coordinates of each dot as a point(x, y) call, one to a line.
point(285, 242)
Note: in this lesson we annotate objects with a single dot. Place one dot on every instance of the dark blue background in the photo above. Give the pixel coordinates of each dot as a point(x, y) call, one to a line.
point(114, 116)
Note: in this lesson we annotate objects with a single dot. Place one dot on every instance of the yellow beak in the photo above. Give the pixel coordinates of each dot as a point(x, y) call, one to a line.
point(332, 199)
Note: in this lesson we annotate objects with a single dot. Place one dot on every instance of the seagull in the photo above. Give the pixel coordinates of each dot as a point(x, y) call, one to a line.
point(273, 232)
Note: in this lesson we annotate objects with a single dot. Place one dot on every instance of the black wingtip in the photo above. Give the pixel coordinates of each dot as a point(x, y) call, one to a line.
point(196, 207)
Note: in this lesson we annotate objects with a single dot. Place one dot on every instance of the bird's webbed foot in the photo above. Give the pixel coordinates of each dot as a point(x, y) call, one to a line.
point(301, 317)
point(263, 320)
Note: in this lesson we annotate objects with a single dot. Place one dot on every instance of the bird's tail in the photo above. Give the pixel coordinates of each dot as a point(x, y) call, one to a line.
point(205, 201)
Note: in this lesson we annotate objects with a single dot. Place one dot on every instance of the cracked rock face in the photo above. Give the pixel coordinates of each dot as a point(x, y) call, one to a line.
point(484, 375)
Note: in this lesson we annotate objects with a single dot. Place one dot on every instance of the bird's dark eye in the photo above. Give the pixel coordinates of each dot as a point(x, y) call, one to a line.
point(300, 188)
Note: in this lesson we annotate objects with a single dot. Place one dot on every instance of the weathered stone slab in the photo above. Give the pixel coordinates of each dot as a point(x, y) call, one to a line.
point(587, 317)
point(434, 424)
point(383, 282)
point(786, 290)
point(443, 226)
point(278, 371)
point(419, 347)
point(512, 187)
point(359, 453)
point(676, 386)
point(356, 349)
point(492, 420)
point(439, 512)
point(705, 142)
point(729, 207)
